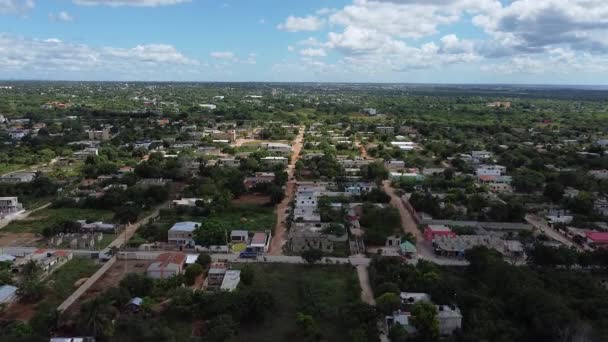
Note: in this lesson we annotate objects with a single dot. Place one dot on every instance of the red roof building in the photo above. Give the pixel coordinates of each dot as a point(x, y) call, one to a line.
point(597, 239)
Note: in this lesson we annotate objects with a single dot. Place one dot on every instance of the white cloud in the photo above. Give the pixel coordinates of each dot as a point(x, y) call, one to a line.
point(227, 57)
point(136, 3)
point(408, 18)
point(16, 6)
point(223, 55)
point(311, 52)
point(61, 16)
point(43, 58)
point(533, 26)
point(297, 24)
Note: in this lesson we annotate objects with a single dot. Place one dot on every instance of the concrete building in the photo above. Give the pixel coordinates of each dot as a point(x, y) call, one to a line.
point(277, 147)
point(490, 170)
point(432, 231)
point(271, 161)
point(9, 205)
point(103, 134)
point(182, 233)
point(450, 319)
point(260, 242)
point(166, 265)
point(259, 178)
point(18, 177)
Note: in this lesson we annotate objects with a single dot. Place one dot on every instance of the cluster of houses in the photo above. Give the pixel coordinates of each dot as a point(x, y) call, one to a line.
point(182, 235)
point(219, 276)
point(446, 243)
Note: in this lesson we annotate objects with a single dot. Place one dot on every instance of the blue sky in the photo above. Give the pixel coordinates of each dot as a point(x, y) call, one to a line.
point(428, 41)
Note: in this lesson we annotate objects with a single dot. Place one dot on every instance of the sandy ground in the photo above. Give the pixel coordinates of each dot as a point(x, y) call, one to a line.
point(18, 239)
point(362, 149)
point(252, 199)
point(276, 247)
point(407, 221)
point(112, 278)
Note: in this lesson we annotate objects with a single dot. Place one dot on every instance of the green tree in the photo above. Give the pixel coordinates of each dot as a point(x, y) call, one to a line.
point(96, 317)
point(424, 318)
point(247, 275)
point(312, 255)
point(221, 328)
point(204, 260)
point(192, 272)
point(388, 303)
point(138, 285)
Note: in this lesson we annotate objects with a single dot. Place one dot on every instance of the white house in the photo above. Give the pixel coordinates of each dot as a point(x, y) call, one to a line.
point(277, 147)
point(491, 170)
point(182, 233)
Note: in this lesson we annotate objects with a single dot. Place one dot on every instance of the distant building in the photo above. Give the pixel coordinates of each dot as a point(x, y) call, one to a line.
point(18, 177)
point(385, 129)
point(103, 134)
point(208, 106)
point(271, 161)
point(277, 147)
point(499, 104)
point(490, 170)
point(259, 178)
point(85, 153)
point(370, 111)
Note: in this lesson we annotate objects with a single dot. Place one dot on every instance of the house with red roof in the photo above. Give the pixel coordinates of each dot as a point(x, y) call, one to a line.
point(597, 239)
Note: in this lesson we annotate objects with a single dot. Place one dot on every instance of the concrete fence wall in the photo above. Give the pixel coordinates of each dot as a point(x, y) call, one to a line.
point(87, 284)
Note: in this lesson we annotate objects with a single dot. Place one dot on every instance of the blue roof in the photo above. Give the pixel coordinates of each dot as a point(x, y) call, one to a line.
point(6, 292)
point(185, 226)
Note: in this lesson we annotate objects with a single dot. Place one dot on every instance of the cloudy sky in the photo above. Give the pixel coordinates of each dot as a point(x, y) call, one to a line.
point(426, 41)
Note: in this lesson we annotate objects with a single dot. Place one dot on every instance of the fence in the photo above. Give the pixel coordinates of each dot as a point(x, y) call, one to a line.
point(87, 284)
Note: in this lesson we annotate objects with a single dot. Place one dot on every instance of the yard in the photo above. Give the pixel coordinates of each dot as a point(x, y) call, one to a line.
point(247, 216)
point(59, 286)
point(39, 220)
point(318, 291)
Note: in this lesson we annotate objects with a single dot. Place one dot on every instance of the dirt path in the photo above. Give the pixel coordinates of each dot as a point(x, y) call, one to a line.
point(276, 247)
point(542, 225)
point(362, 149)
point(407, 221)
point(130, 230)
point(367, 295)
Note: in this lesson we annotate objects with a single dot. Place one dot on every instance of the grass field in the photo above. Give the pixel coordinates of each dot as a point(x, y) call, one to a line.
point(319, 291)
point(247, 216)
point(49, 217)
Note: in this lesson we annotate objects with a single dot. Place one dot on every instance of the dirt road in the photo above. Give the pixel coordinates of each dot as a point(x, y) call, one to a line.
point(362, 149)
point(276, 247)
point(407, 221)
point(542, 225)
point(131, 229)
point(367, 295)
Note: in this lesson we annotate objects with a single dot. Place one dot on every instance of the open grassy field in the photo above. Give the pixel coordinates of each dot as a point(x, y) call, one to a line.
point(247, 216)
point(319, 291)
point(59, 286)
point(49, 217)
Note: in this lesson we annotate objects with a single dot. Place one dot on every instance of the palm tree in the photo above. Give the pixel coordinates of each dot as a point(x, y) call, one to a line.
point(97, 318)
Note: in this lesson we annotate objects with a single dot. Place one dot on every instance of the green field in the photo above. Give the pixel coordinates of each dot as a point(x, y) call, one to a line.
point(39, 220)
point(248, 217)
point(319, 291)
point(60, 284)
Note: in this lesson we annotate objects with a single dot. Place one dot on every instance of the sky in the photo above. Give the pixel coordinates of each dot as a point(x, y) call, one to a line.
point(396, 41)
